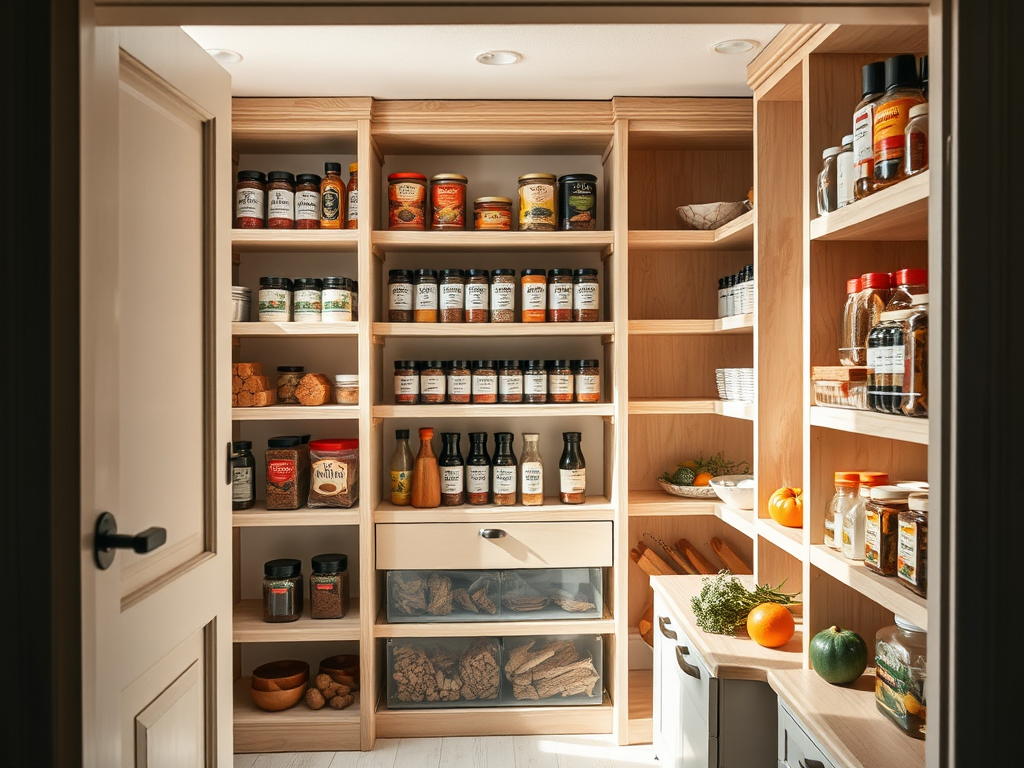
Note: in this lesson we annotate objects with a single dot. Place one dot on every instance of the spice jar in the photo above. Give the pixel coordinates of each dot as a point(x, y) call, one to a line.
point(328, 587)
point(447, 201)
point(908, 283)
point(400, 296)
point(846, 484)
point(915, 139)
point(407, 382)
point(560, 290)
point(352, 197)
point(828, 181)
point(586, 381)
point(537, 202)
point(332, 191)
point(334, 473)
point(572, 470)
point(432, 382)
point(852, 529)
point(504, 470)
point(477, 296)
point(503, 296)
point(585, 296)
point(852, 325)
point(535, 381)
point(407, 195)
point(424, 297)
point(492, 213)
point(881, 519)
point(872, 89)
point(307, 201)
point(478, 470)
point(460, 381)
point(452, 469)
point(275, 300)
point(346, 388)
point(243, 475)
point(250, 194)
point(288, 377)
point(280, 200)
point(336, 300)
point(560, 381)
point(535, 292)
point(577, 201)
point(844, 172)
point(287, 460)
point(886, 358)
point(901, 666)
point(452, 291)
point(902, 93)
point(510, 382)
point(914, 400)
point(912, 554)
point(308, 299)
point(282, 590)
point(485, 382)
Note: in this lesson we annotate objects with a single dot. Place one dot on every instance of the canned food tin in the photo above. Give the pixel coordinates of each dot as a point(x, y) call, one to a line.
point(577, 201)
point(448, 201)
point(537, 202)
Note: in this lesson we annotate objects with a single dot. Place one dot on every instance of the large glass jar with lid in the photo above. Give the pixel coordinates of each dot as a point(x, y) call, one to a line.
point(914, 400)
point(853, 320)
point(901, 666)
point(881, 522)
point(282, 590)
point(912, 557)
point(853, 520)
point(329, 586)
point(907, 283)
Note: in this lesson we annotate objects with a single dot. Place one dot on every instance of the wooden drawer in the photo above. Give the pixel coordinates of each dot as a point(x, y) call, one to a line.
point(578, 544)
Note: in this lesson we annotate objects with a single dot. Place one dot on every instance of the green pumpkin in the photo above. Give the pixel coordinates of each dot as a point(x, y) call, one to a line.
point(838, 655)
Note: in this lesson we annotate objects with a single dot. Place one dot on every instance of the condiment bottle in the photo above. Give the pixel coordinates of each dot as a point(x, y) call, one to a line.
point(352, 198)
point(531, 471)
point(846, 484)
point(828, 181)
point(426, 479)
point(243, 475)
point(452, 470)
point(332, 190)
point(901, 666)
point(912, 554)
point(916, 141)
point(881, 519)
point(503, 470)
point(844, 172)
point(852, 323)
point(572, 471)
point(478, 470)
point(914, 400)
point(902, 92)
point(401, 470)
point(872, 88)
point(853, 521)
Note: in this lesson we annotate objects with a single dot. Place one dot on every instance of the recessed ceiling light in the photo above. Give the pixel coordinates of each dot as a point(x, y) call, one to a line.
point(499, 57)
point(224, 56)
point(734, 46)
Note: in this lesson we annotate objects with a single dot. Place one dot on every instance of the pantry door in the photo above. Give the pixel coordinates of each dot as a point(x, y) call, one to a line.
point(156, 625)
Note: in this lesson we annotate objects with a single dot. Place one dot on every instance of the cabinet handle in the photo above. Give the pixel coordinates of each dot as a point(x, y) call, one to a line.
point(688, 668)
point(493, 533)
point(808, 763)
point(670, 634)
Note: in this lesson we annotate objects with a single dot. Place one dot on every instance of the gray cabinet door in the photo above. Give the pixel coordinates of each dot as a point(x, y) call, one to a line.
point(748, 724)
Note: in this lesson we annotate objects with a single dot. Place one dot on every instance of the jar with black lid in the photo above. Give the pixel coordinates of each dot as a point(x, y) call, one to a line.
point(535, 381)
point(510, 382)
point(577, 201)
point(328, 587)
point(432, 382)
point(503, 296)
point(485, 382)
point(243, 475)
point(586, 381)
point(424, 297)
point(460, 381)
point(560, 382)
point(400, 296)
point(585, 296)
point(336, 300)
point(288, 377)
point(477, 296)
point(451, 292)
point(407, 382)
point(275, 299)
point(250, 196)
point(560, 293)
point(307, 299)
point(307, 201)
point(280, 200)
point(282, 590)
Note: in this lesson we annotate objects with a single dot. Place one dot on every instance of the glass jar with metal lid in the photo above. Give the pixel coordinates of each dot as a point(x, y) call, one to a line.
point(307, 300)
point(282, 590)
point(424, 301)
point(400, 292)
point(477, 296)
point(503, 296)
point(460, 381)
point(535, 381)
point(407, 382)
point(537, 198)
point(577, 201)
point(250, 195)
point(432, 382)
point(586, 296)
point(280, 200)
point(586, 381)
point(336, 300)
point(307, 201)
point(275, 299)
point(510, 382)
point(451, 290)
point(560, 381)
point(447, 201)
point(560, 291)
point(485, 382)
point(492, 213)
point(535, 294)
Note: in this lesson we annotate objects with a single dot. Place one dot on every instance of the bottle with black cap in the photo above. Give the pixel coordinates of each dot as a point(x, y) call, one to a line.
point(872, 78)
point(902, 92)
point(243, 475)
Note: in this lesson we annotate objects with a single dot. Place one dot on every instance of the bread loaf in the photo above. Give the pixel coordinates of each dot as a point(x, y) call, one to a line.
point(314, 389)
point(266, 397)
point(245, 370)
point(249, 387)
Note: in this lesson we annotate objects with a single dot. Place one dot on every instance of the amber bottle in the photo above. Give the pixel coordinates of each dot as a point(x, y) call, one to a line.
point(426, 478)
point(332, 194)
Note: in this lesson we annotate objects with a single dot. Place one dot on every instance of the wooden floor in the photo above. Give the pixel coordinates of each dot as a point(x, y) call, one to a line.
point(473, 752)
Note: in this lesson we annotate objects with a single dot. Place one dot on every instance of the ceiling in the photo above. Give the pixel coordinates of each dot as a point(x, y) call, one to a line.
point(587, 61)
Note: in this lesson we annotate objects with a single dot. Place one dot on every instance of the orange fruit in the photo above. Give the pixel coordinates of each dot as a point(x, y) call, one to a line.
point(770, 625)
point(702, 479)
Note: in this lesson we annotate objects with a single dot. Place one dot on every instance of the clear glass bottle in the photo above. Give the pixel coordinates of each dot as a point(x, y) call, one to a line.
point(844, 172)
point(572, 470)
point(853, 521)
point(912, 555)
point(902, 93)
point(828, 181)
point(881, 522)
point(531, 471)
point(503, 470)
point(401, 470)
point(478, 470)
point(243, 475)
point(426, 478)
point(914, 399)
point(852, 322)
point(329, 587)
point(916, 141)
point(872, 89)
point(352, 198)
point(846, 485)
point(282, 590)
point(452, 469)
point(901, 667)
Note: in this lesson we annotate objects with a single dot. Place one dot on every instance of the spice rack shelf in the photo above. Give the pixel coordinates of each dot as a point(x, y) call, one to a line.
point(322, 730)
point(294, 330)
point(905, 428)
point(296, 413)
point(261, 517)
point(493, 242)
point(886, 591)
point(248, 625)
point(897, 213)
point(737, 235)
point(657, 406)
point(603, 626)
point(661, 504)
point(837, 713)
point(738, 324)
point(518, 410)
point(789, 540)
point(294, 240)
point(594, 508)
point(507, 330)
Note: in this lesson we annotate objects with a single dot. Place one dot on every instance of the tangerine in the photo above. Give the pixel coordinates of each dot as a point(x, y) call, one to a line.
point(703, 479)
point(770, 625)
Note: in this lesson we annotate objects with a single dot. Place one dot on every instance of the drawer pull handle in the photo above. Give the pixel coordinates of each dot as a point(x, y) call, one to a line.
point(670, 634)
point(684, 665)
point(808, 763)
point(493, 533)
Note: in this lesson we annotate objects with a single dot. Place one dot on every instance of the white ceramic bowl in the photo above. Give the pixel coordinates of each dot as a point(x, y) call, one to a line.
point(736, 491)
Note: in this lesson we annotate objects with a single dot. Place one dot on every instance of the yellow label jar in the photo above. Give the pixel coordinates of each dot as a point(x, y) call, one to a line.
point(537, 208)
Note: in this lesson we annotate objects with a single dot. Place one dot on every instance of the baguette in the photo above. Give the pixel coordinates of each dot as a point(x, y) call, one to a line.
point(646, 625)
point(701, 563)
point(731, 560)
point(682, 562)
point(656, 561)
point(645, 565)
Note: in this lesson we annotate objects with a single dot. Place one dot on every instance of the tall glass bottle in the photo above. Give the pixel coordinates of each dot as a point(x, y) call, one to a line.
point(478, 470)
point(401, 470)
point(531, 471)
point(426, 480)
point(856, 516)
point(872, 89)
point(892, 113)
point(853, 320)
point(846, 484)
point(452, 471)
point(572, 471)
point(503, 470)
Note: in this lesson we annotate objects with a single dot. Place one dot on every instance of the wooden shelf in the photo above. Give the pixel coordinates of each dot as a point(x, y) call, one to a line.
point(886, 591)
point(726, 325)
point(789, 540)
point(884, 425)
point(294, 330)
point(737, 235)
point(602, 626)
point(294, 240)
point(661, 504)
point(518, 410)
point(248, 625)
point(259, 516)
point(845, 720)
point(897, 213)
point(298, 729)
point(296, 413)
point(641, 706)
point(504, 330)
point(657, 406)
point(493, 242)
point(594, 508)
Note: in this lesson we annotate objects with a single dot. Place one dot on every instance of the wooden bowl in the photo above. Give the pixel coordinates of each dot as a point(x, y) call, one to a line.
point(280, 675)
point(275, 701)
point(343, 669)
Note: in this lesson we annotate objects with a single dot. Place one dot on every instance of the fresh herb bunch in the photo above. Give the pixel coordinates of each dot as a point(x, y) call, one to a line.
point(716, 466)
point(723, 602)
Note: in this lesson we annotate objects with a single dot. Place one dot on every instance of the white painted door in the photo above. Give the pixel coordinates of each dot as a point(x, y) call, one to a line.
point(156, 626)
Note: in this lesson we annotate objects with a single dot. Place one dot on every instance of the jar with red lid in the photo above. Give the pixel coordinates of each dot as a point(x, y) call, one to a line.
point(250, 195)
point(407, 198)
point(448, 201)
point(334, 473)
point(493, 213)
point(907, 283)
point(280, 200)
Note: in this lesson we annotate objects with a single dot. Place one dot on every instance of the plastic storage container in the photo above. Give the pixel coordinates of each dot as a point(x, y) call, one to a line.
point(424, 673)
point(840, 386)
point(441, 596)
point(528, 683)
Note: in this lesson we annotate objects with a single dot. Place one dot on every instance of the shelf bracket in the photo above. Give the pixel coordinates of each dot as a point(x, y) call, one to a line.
point(236, 259)
point(376, 421)
point(608, 338)
point(378, 340)
point(607, 252)
point(378, 253)
point(609, 420)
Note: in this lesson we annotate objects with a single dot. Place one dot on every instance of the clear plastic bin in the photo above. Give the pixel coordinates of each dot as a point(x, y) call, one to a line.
point(440, 596)
point(842, 394)
point(434, 673)
point(552, 670)
point(551, 593)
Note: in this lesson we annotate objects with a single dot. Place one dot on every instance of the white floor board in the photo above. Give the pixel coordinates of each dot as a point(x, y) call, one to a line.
point(245, 761)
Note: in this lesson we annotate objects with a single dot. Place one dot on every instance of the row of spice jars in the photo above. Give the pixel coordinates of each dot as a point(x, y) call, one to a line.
point(736, 293)
point(345, 390)
point(501, 381)
point(282, 200)
point(308, 300)
point(546, 203)
point(319, 474)
point(480, 296)
point(328, 588)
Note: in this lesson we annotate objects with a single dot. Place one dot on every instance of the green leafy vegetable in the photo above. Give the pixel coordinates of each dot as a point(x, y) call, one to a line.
point(683, 476)
point(723, 602)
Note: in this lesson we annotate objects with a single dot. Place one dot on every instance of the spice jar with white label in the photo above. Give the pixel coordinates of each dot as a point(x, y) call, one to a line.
point(485, 382)
point(477, 296)
point(280, 200)
point(572, 470)
point(586, 381)
point(400, 290)
point(535, 295)
point(424, 298)
point(275, 300)
point(560, 291)
point(460, 381)
point(432, 382)
point(912, 554)
point(503, 296)
point(451, 290)
point(535, 381)
point(510, 382)
point(307, 201)
point(407, 382)
point(560, 383)
point(250, 196)
point(308, 299)
point(586, 296)
point(336, 300)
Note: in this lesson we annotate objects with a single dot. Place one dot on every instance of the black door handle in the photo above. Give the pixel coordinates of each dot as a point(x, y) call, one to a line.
point(669, 633)
point(808, 763)
point(493, 533)
point(687, 667)
point(107, 540)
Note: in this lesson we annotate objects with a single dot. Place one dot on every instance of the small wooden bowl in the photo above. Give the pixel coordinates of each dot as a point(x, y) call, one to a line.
point(343, 669)
point(275, 701)
point(280, 675)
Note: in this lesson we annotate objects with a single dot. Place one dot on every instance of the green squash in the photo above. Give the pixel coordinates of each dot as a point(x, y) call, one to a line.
point(838, 655)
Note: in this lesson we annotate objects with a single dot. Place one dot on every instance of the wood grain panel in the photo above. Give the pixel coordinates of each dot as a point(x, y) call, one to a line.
point(780, 55)
point(681, 285)
point(836, 604)
point(260, 125)
point(773, 565)
point(683, 366)
point(671, 123)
